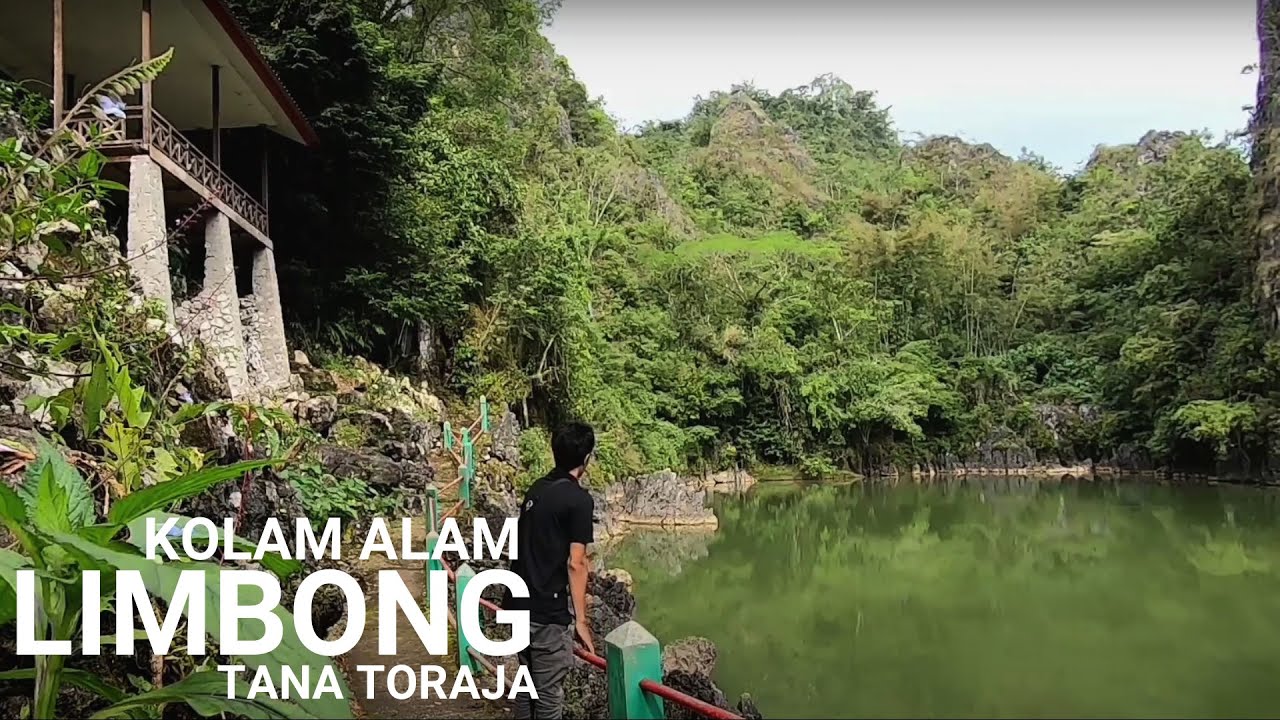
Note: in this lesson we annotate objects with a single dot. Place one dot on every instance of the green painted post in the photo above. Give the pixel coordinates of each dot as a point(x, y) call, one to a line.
point(484, 414)
point(433, 564)
point(464, 487)
point(468, 467)
point(632, 654)
point(464, 575)
point(433, 508)
point(448, 436)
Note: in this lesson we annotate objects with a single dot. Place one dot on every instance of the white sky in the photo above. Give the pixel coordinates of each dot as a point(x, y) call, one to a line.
point(1056, 77)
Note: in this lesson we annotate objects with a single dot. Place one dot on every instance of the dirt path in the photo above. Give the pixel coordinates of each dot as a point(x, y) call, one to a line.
point(412, 653)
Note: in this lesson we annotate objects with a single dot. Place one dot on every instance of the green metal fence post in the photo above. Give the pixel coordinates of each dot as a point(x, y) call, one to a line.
point(632, 654)
point(463, 576)
point(484, 414)
point(433, 538)
point(464, 487)
point(433, 507)
point(468, 467)
point(448, 436)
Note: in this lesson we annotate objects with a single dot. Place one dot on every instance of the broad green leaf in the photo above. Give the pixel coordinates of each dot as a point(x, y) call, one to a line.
point(10, 563)
point(13, 514)
point(97, 393)
point(156, 497)
point(206, 693)
point(79, 678)
point(161, 580)
point(51, 511)
point(187, 413)
point(73, 499)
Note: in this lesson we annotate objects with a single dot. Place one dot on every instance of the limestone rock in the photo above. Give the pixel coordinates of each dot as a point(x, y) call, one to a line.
point(300, 360)
point(318, 412)
point(506, 440)
point(376, 470)
point(61, 307)
point(730, 481)
point(693, 655)
point(46, 381)
point(317, 380)
point(661, 498)
point(621, 577)
point(268, 495)
point(698, 685)
point(211, 434)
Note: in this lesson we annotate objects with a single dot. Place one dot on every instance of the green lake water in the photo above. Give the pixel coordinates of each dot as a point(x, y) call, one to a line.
point(993, 598)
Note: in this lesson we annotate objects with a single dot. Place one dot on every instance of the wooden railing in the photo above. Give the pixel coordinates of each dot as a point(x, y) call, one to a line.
point(127, 136)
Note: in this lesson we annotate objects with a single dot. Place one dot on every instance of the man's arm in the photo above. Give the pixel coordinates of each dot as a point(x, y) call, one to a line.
point(578, 569)
point(580, 535)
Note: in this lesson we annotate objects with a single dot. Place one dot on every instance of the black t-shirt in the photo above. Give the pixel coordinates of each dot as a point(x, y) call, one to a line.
point(556, 512)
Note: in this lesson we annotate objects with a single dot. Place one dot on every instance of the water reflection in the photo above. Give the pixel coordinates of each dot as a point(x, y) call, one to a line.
point(994, 597)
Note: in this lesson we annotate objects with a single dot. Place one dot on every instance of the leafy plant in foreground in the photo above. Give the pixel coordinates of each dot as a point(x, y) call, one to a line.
point(52, 517)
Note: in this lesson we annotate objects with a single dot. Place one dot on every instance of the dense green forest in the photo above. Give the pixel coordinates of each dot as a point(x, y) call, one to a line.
point(775, 278)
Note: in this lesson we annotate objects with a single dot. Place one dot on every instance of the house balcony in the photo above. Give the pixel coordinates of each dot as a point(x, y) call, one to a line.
point(120, 139)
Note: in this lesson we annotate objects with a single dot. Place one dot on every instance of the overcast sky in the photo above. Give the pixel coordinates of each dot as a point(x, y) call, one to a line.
point(1055, 77)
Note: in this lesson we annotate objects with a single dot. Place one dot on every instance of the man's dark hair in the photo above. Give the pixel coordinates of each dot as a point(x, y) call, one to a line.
point(572, 444)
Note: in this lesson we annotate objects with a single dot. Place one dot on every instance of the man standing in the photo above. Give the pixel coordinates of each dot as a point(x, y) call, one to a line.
point(553, 533)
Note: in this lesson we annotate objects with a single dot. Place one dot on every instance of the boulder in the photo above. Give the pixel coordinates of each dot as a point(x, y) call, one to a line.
point(300, 360)
point(730, 481)
point(506, 440)
point(376, 470)
point(211, 434)
point(318, 412)
point(317, 380)
point(264, 495)
point(662, 498)
point(621, 577)
point(693, 655)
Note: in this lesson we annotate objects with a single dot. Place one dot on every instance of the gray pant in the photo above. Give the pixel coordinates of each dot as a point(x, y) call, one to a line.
point(548, 657)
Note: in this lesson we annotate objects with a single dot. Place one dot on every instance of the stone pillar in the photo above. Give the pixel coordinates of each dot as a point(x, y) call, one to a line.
point(146, 250)
point(217, 308)
point(266, 291)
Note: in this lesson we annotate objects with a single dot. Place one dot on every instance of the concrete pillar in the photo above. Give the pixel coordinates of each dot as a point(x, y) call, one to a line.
point(218, 306)
point(147, 250)
point(266, 292)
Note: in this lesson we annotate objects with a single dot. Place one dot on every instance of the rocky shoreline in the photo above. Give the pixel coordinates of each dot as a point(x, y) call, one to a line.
point(663, 499)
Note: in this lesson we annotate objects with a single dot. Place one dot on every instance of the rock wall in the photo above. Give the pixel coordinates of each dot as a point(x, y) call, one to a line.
point(662, 498)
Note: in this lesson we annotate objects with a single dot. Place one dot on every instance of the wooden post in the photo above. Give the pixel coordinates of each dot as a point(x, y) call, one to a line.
point(632, 654)
point(484, 414)
point(465, 573)
point(448, 436)
point(266, 171)
point(59, 71)
point(146, 87)
point(217, 114)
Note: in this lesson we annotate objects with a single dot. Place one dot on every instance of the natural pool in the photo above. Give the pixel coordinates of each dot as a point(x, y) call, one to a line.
point(993, 598)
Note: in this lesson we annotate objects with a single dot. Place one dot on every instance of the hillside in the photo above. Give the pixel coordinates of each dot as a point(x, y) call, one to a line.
point(772, 279)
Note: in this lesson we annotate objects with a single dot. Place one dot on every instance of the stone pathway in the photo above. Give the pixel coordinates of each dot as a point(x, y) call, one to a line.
point(412, 653)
